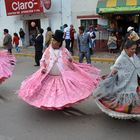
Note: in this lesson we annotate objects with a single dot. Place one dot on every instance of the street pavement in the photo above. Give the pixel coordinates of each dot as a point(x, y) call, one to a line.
point(19, 121)
point(97, 56)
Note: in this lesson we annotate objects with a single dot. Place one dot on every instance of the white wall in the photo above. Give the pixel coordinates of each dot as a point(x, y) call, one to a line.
point(66, 12)
point(59, 13)
point(82, 7)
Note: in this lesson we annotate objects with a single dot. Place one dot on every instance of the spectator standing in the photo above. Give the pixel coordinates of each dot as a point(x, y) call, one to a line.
point(112, 43)
point(67, 36)
point(22, 36)
point(92, 39)
point(134, 37)
point(131, 35)
point(83, 45)
point(34, 30)
point(48, 37)
point(72, 32)
point(16, 42)
point(39, 47)
point(7, 41)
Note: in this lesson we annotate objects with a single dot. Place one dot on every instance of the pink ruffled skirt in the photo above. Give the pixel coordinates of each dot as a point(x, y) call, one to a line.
point(56, 92)
point(6, 61)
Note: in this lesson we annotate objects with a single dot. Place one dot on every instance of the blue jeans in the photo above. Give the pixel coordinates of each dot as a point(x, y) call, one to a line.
point(67, 41)
point(85, 54)
point(23, 41)
point(17, 48)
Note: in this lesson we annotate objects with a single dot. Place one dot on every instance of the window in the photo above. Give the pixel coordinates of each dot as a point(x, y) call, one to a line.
point(87, 22)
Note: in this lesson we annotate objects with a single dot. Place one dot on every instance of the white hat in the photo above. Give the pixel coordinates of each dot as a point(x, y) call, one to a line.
point(130, 28)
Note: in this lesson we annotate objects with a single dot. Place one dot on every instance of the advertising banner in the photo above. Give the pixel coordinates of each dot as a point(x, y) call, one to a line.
point(18, 7)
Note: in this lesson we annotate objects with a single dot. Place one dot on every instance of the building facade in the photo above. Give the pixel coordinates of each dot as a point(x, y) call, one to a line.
point(79, 12)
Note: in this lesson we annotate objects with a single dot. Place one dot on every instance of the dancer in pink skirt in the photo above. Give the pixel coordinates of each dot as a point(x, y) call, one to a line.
point(60, 82)
point(6, 62)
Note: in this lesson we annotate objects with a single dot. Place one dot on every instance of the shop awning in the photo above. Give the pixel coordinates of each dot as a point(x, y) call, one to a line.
point(118, 6)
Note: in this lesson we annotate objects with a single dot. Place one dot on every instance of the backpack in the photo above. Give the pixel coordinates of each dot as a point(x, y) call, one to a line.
point(93, 35)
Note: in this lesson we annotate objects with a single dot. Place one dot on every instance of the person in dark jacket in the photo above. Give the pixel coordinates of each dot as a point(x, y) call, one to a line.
point(7, 41)
point(22, 36)
point(39, 47)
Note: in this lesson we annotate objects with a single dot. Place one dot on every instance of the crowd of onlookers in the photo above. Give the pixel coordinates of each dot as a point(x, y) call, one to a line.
point(9, 41)
point(116, 41)
point(85, 41)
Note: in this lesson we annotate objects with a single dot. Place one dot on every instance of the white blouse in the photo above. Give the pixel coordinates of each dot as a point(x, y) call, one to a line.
point(55, 70)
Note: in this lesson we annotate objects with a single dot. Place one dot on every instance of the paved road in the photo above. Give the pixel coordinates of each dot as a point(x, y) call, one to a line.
point(19, 121)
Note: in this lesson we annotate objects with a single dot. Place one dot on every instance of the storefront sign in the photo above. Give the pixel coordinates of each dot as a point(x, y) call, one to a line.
point(17, 7)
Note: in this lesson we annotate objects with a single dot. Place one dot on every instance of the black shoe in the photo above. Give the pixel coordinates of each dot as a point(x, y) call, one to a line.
point(36, 65)
point(12, 63)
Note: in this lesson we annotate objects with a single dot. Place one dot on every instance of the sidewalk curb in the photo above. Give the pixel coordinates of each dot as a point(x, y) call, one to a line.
point(96, 59)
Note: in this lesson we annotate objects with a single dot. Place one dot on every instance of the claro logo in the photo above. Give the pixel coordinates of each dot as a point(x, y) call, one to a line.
point(23, 5)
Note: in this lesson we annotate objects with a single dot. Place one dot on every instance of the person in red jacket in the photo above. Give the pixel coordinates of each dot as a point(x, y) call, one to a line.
point(16, 42)
point(72, 32)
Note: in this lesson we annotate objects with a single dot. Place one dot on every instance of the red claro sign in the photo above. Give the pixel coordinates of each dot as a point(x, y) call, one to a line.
point(17, 7)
